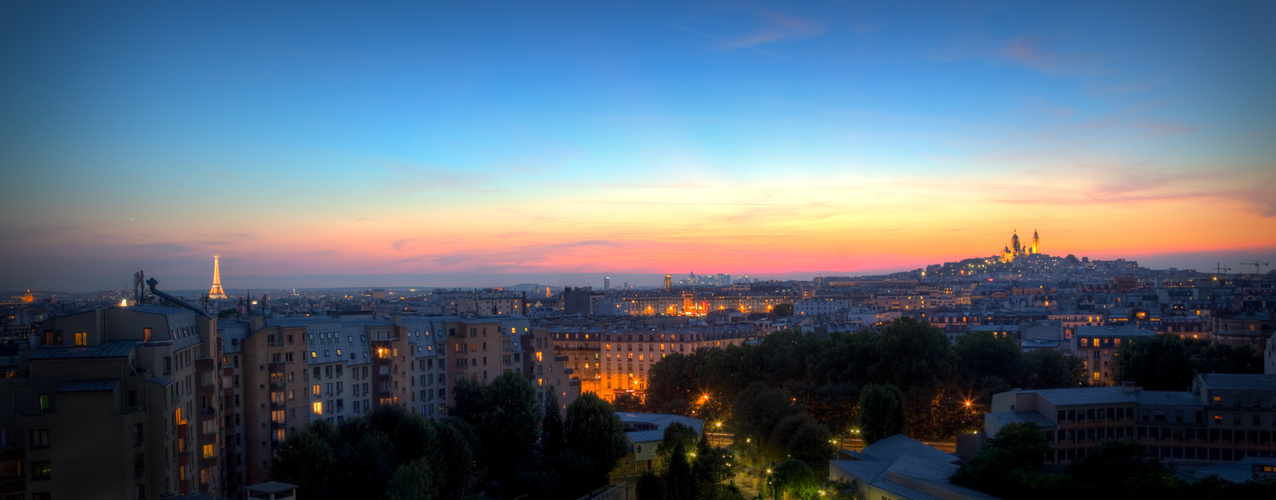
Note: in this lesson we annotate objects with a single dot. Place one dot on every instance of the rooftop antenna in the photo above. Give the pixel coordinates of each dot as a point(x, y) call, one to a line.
point(139, 288)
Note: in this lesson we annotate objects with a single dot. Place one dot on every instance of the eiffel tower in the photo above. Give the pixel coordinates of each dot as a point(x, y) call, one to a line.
point(216, 291)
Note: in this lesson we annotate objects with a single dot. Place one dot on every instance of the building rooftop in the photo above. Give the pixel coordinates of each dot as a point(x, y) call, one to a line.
point(112, 349)
point(1242, 381)
point(154, 309)
point(1087, 396)
point(1168, 398)
point(891, 448)
point(660, 421)
point(88, 385)
point(1113, 331)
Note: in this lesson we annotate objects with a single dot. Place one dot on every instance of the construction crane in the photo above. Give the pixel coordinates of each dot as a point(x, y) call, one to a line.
point(1256, 265)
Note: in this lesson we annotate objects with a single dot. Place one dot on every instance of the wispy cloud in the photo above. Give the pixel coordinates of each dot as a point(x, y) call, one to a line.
point(1031, 51)
point(780, 27)
point(776, 27)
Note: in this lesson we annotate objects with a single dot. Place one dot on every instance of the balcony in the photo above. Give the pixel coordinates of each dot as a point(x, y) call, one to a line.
point(12, 485)
point(37, 413)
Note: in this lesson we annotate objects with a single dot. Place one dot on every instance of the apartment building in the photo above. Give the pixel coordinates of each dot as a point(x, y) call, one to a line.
point(1098, 347)
point(548, 370)
point(119, 402)
point(1224, 418)
point(608, 362)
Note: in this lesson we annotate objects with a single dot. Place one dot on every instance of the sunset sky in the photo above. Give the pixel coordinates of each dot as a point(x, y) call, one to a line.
point(491, 143)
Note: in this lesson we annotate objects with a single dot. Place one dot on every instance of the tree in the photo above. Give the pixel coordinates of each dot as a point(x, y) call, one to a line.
point(712, 467)
point(1050, 369)
point(811, 444)
point(1157, 363)
point(507, 417)
point(1218, 357)
point(983, 354)
point(595, 437)
point(671, 383)
point(1120, 468)
point(782, 310)
point(796, 478)
point(832, 405)
point(881, 412)
point(650, 487)
point(1007, 463)
point(411, 481)
point(913, 355)
point(677, 436)
point(552, 426)
point(680, 481)
point(627, 402)
point(413, 435)
point(452, 469)
point(1026, 442)
point(307, 461)
point(758, 409)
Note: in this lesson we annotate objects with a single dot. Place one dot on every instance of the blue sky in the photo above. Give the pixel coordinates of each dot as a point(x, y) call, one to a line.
point(503, 138)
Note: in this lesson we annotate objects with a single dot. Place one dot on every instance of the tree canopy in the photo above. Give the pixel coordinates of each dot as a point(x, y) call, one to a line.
point(881, 412)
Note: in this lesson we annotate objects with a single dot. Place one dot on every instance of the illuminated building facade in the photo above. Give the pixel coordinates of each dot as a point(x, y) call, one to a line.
point(690, 303)
point(609, 362)
point(1016, 249)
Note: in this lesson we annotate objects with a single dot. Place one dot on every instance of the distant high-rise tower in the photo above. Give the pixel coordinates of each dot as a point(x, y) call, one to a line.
point(668, 282)
point(606, 282)
point(216, 291)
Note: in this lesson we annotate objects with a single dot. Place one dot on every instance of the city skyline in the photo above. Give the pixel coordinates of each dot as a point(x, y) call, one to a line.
point(626, 139)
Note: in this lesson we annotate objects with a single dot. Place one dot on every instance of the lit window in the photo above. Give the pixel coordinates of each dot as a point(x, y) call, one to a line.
point(314, 354)
point(81, 338)
point(317, 407)
point(209, 451)
point(40, 469)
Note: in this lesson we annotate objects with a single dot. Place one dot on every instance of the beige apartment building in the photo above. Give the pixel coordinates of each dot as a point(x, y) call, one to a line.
point(609, 362)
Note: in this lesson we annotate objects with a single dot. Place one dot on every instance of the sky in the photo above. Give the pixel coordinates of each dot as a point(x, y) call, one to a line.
point(482, 143)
